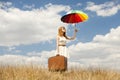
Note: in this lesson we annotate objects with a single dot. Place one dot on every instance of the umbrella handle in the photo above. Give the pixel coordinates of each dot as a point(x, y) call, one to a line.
point(75, 27)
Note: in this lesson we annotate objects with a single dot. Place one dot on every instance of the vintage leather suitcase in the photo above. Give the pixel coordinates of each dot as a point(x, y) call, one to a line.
point(57, 63)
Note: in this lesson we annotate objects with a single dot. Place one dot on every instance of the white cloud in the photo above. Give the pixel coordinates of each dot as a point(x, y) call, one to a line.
point(26, 27)
point(13, 49)
point(79, 4)
point(112, 38)
point(5, 4)
point(31, 58)
point(29, 6)
point(20, 60)
point(103, 51)
point(106, 9)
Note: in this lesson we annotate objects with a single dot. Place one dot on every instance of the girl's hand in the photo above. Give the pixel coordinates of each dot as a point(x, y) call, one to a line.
point(76, 30)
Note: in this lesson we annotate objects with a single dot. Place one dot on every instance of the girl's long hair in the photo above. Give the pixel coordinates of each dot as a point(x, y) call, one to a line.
point(61, 33)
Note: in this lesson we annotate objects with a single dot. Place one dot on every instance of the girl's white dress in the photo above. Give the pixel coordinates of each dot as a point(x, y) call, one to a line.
point(62, 49)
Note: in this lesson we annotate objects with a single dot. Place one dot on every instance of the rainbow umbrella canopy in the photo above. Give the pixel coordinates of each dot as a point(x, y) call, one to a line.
point(74, 16)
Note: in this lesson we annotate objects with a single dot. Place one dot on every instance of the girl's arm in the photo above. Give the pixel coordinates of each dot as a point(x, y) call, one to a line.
point(74, 36)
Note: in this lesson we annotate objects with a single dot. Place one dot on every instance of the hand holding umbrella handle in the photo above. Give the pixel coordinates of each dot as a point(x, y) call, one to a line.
point(76, 30)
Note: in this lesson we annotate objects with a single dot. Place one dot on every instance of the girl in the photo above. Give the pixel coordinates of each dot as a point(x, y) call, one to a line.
point(61, 41)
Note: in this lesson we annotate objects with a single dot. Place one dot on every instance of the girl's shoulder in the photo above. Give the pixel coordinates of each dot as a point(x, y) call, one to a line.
point(59, 36)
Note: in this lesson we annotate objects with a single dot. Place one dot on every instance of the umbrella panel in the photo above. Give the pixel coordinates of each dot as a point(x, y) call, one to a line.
point(74, 18)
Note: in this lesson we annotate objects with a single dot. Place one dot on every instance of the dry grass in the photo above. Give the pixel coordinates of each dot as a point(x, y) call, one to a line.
point(37, 73)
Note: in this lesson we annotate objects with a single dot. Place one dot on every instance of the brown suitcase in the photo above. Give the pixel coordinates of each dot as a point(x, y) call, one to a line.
point(57, 63)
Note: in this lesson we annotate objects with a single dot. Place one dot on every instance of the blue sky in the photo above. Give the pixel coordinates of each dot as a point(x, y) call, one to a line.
point(28, 30)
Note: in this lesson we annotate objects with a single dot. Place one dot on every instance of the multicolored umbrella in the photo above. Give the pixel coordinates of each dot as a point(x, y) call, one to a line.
point(74, 16)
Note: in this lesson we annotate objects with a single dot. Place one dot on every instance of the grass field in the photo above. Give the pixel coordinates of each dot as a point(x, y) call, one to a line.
point(38, 73)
